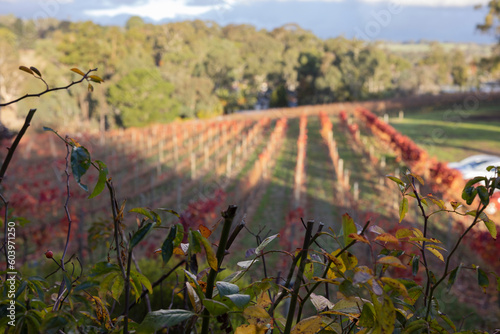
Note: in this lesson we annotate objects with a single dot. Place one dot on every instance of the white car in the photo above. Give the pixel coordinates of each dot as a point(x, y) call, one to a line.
point(476, 166)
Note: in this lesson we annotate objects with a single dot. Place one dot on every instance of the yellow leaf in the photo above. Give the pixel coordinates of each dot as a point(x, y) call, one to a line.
point(339, 265)
point(308, 326)
point(91, 88)
point(256, 315)
point(417, 232)
point(25, 69)
point(205, 231)
point(358, 237)
point(193, 297)
point(251, 329)
point(386, 237)
point(391, 261)
point(95, 78)
point(403, 233)
point(263, 299)
point(101, 312)
point(436, 253)
point(78, 71)
point(396, 285)
point(420, 239)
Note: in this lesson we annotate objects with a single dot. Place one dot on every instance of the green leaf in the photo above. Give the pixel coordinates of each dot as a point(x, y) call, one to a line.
point(348, 227)
point(416, 326)
point(447, 320)
point(469, 194)
point(140, 234)
point(490, 225)
point(113, 283)
point(167, 249)
point(475, 180)
point(239, 300)
point(367, 318)
point(54, 321)
point(397, 180)
point(418, 177)
point(265, 243)
point(194, 243)
point(101, 181)
point(482, 279)
point(48, 129)
point(157, 320)
point(385, 313)
point(483, 195)
point(415, 261)
point(103, 268)
point(211, 259)
point(214, 307)
point(143, 211)
point(403, 209)
point(80, 163)
point(170, 211)
point(226, 289)
point(141, 279)
point(453, 276)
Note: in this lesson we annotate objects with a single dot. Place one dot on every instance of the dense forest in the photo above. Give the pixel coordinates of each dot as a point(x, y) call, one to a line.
point(158, 73)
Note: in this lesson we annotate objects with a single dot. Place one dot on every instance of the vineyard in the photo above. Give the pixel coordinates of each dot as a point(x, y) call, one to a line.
point(277, 166)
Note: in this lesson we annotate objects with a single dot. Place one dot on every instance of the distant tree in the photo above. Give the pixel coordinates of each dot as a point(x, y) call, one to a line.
point(143, 97)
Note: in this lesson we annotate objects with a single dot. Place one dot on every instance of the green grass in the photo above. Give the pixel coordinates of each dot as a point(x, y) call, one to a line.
point(452, 135)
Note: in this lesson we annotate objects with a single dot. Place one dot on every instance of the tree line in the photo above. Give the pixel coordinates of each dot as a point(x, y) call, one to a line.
point(198, 69)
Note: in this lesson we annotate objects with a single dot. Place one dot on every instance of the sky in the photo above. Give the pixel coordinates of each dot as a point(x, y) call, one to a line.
point(397, 20)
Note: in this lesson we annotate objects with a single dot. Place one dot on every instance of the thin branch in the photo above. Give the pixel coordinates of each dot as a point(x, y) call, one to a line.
point(66, 206)
point(48, 90)
point(12, 149)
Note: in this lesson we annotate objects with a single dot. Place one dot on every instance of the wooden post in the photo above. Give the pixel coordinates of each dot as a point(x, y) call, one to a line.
point(356, 191)
point(193, 166)
point(346, 178)
point(401, 115)
point(206, 156)
point(176, 152)
point(340, 177)
point(229, 163)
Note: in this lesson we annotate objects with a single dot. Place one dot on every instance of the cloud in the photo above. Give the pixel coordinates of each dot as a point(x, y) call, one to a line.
point(164, 9)
point(171, 9)
point(434, 3)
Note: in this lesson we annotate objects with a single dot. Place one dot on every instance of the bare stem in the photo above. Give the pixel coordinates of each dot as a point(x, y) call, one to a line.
point(48, 90)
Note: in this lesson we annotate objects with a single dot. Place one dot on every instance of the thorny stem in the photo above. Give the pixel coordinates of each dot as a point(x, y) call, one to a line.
point(47, 90)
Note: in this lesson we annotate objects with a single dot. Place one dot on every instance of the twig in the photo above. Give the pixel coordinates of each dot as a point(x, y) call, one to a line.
point(13, 148)
point(48, 90)
point(66, 208)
